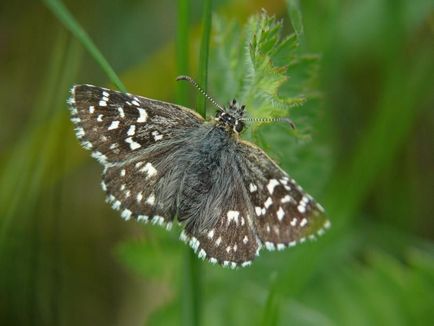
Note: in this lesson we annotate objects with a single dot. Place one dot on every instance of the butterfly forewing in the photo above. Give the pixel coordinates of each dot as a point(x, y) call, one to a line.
point(117, 126)
point(283, 213)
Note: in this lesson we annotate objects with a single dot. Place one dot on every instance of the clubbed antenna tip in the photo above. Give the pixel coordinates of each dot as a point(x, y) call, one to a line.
point(182, 77)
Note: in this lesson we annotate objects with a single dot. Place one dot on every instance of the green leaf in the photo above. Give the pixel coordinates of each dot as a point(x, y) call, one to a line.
point(267, 72)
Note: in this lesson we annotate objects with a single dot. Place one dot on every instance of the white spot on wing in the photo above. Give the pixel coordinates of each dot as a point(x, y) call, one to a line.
point(121, 112)
point(303, 222)
point(258, 210)
point(116, 204)
point(143, 116)
point(183, 236)
point(126, 214)
point(202, 254)
point(211, 234)
point(280, 214)
point(268, 202)
point(142, 218)
point(149, 170)
point(131, 131)
point(271, 185)
point(151, 199)
point(79, 132)
point(269, 245)
point(301, 208)
point(194, 243)
point(100, 157)
point(253, 187)
point(87, 145)
point(233, 216)
point(113, 125)
point(280, 246)
point(157, 136)
point(133, 145)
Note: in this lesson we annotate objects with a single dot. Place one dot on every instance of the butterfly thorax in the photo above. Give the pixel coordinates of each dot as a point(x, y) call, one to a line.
point(231, 118)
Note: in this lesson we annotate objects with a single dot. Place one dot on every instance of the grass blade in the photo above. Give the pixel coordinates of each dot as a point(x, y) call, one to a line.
point(62, 13)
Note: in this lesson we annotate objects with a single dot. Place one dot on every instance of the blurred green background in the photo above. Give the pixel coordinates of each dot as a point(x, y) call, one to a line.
point(66, 258)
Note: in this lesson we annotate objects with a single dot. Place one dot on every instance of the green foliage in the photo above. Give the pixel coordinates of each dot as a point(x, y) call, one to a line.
point(268, 73)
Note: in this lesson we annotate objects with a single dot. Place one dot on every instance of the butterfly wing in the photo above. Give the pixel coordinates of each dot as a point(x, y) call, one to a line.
point(232, 240)
point(118, 126)
point(132, 136)
point(283, 213)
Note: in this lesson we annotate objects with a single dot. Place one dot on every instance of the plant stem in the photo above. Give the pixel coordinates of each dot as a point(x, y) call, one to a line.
point(182, 53)
point(204, 54)
point(190, 290)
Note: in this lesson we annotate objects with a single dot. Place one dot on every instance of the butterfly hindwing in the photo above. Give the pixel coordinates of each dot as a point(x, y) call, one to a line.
point(231, 242)
point(283, 213)
point(117, 126)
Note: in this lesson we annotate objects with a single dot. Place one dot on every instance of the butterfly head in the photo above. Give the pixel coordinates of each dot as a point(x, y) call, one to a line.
point(231, 118)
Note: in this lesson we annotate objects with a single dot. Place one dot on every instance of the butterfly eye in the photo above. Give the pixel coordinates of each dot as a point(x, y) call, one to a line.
point(239, 126)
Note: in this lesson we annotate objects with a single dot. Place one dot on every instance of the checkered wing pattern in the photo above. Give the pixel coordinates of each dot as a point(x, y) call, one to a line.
point(130, 135)
point(232, 240)
point(283, 214)
point(118, 126)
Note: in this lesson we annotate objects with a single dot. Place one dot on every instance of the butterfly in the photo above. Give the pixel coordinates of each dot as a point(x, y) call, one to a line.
point(164, 162)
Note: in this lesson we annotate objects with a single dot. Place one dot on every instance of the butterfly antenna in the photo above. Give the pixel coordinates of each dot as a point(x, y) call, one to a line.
point(193, 82)
point(269, 120)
